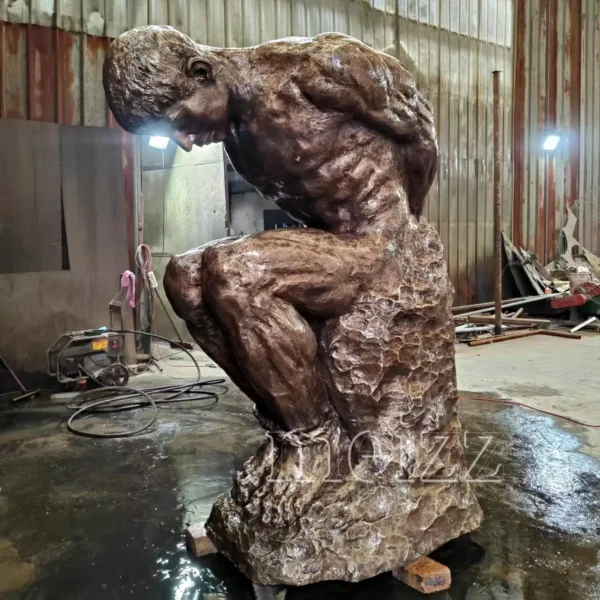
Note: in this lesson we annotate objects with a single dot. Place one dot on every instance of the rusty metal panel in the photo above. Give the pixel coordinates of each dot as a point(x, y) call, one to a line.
point(283, 19)
point(68, 78)
point(215, 18)
point(450, 46)
point(116, 15)
point(268, 20)
point(95, 110)
point(557, 87)
point(14, 71)
point(41, 57)
point(94, 17)
point(158, 12)
point(137, 12)
point(68, 15)
point(198, 21)
point(42, 12)
point(17, 11)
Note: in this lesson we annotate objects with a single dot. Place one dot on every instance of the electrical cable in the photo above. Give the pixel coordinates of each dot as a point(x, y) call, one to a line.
point(95, 401)
point(522, 404)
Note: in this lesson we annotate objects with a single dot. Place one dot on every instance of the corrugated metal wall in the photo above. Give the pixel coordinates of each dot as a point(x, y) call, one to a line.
point(557, 88)
point(52, 53)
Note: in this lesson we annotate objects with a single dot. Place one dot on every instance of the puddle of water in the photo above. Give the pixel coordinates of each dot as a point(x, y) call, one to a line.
point(105, 518)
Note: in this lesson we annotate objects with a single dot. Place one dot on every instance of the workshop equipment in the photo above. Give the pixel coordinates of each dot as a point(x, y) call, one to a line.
point(26, 393)
point(93, 353)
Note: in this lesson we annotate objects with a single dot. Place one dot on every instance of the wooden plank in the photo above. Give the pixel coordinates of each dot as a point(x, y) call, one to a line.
point(425, 575)
point(158, 12)
point(197, 542)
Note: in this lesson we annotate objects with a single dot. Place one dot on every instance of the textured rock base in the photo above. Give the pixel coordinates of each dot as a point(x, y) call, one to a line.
point(358, 529)
point(390, 373)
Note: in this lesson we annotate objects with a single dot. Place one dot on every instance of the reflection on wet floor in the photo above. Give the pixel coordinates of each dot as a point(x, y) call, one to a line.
point(102, 519)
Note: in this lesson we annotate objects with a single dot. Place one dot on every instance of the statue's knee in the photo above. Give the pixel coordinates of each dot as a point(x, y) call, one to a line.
point(222, 277)
point(182, 285)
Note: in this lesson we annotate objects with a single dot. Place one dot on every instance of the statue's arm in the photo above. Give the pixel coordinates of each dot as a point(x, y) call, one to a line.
point(344, 75)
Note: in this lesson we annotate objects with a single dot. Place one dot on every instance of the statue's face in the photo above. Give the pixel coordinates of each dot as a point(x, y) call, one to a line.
point(201, 119)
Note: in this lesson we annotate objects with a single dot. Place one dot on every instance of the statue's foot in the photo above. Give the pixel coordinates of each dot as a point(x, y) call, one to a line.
point(255, 470)
point(294, 479)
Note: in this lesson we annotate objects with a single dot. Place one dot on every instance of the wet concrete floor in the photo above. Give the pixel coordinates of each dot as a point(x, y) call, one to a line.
point(104, 519)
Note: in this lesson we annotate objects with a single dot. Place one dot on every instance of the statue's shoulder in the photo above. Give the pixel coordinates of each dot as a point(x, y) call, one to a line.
point(322, 45)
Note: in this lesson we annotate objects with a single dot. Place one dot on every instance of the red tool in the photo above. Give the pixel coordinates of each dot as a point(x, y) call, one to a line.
point(568, 301)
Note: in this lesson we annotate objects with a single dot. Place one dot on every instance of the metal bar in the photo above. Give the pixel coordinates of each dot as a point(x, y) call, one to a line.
point(574, 36)
point(505, 338)
point(479, 319)
point(13, 375)
point(458, 309)
point(551, 233)
point(561, 334)
point(520, 84)
point(584, 324)
point(497, 207)
point(516, 303)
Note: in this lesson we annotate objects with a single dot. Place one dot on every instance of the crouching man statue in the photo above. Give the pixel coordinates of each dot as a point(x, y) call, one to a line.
point(340, 332)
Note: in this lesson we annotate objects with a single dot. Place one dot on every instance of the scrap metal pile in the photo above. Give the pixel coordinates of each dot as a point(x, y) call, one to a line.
point(565, 293)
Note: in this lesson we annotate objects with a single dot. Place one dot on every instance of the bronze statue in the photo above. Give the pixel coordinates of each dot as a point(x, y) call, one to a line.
point(340, 332)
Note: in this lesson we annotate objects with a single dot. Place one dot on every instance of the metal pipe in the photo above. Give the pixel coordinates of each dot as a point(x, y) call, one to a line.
point(457, 310)
point(505, 338)
point(497, 209)
point(584, 324)
point(516, 303)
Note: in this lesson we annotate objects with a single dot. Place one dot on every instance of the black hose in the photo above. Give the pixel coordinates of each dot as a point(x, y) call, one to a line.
point(95, 401)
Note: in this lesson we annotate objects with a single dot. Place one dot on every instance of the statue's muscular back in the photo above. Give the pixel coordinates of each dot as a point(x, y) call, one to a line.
point(299, 144)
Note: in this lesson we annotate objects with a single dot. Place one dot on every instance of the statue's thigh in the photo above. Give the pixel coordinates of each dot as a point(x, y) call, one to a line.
point(315, 271)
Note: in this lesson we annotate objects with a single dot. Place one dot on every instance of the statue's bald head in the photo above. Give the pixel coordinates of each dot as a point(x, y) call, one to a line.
point(146, 73)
